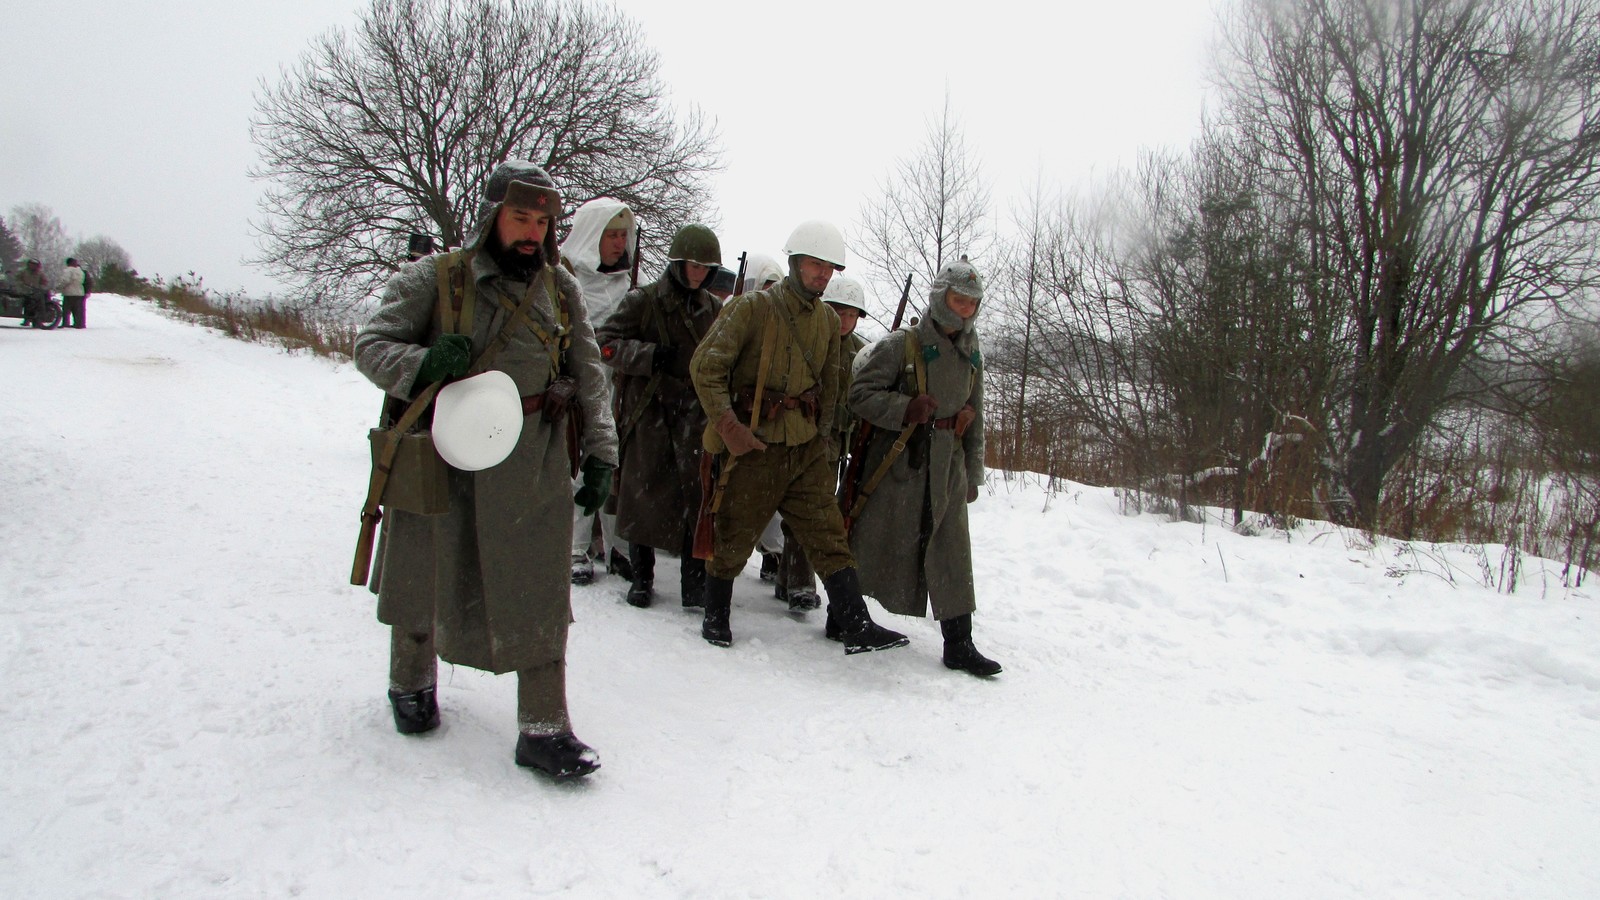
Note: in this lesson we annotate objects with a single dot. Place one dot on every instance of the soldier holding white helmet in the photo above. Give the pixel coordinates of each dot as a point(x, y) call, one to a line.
point(767, 375)
point(487, 577)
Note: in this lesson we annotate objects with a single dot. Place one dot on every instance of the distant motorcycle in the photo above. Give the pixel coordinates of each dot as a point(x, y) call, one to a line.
point(36, 304)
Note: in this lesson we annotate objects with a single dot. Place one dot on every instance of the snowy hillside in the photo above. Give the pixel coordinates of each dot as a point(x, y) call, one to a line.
point(195, 696)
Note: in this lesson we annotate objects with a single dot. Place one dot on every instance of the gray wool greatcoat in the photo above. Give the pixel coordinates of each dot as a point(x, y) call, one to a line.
point(911, 541)
point(490, 577)
point(658, 486)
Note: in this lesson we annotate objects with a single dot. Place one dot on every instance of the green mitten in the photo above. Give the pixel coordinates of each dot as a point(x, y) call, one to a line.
point(449, 356)
point(596, 486)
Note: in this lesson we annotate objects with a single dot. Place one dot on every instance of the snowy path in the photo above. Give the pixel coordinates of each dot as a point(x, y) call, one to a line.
point(196, 695)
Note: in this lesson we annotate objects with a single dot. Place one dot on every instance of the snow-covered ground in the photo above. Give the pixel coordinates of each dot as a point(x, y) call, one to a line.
point(194, 696)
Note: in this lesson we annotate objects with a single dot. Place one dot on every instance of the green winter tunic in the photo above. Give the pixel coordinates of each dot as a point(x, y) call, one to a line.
point(658, 414)
point(911, 541)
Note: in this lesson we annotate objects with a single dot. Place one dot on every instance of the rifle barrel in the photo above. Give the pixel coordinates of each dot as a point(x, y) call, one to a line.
point(900, 311)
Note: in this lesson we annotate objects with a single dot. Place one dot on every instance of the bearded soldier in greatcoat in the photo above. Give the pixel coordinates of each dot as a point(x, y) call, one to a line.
point(487, 582)
point(649, 341)
point(767, 374)
point(912, 530)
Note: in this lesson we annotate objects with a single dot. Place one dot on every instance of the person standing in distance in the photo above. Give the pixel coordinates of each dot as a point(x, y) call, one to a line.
point(74, 294)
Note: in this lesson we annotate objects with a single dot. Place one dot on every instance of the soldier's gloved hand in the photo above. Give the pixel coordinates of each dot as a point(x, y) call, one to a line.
point(972, 493)
point(596, 486)
point(448, 357)
point(737, 435)
point(964, 420)
point(920, 409)
point(663, 358)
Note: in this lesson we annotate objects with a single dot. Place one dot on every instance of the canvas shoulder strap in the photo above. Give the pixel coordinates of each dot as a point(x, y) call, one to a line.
point(919, 368)
point(769, 342)
point(457, 290)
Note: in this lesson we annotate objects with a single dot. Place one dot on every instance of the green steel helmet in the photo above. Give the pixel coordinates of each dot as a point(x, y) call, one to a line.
point(721, 281)
point(696, 243)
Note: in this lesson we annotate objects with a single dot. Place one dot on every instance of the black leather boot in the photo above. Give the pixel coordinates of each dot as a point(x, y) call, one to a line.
point(719, 601)
point(557, 755)
point(692, 575)
point(416, 711)
point(849, 612)
point(642, 557)
point(617, 564)
point(959, 653)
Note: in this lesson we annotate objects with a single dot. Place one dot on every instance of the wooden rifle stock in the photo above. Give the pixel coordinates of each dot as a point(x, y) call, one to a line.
point(705, 531)
point(738, 284)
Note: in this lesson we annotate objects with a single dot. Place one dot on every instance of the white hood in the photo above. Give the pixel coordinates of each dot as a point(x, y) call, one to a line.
point(602, 291)
point(759, 267)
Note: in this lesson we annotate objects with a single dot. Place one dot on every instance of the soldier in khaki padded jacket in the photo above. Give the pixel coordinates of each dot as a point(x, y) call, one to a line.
point(773, 449)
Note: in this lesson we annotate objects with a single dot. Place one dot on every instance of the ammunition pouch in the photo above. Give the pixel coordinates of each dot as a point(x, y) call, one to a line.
point(808, 402)
point(555, 404)
point(557, 398)
point(418, 479)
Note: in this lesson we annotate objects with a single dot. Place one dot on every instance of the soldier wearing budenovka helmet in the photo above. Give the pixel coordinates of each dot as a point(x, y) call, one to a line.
point(488, 579)
point(649, 340)
point(766, 374)
point(928, 377)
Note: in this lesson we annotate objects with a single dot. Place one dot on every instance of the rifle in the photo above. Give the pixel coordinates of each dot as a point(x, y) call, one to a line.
point(711, 482)
point(633, 273)
point(850, 479)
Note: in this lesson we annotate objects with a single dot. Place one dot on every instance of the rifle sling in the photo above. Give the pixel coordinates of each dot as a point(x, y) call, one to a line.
point(454, 312)
point(768, 341)
point(913, 359)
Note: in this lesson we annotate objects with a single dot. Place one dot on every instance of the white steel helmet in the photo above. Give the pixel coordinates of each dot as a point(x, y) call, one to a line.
point(477, 421)
point(846, 291)
point(817, 239)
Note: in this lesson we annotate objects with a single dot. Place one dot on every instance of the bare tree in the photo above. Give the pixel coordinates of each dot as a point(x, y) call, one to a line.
point(96, 253)
point(932, 210)
point(1017, 285)
point(1446, 156)
point(10, 248)
point(1242, 346)
point(42, 237)
point(392, 129)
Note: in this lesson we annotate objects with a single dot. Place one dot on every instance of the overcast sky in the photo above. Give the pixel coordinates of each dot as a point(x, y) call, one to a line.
point(131, 119)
